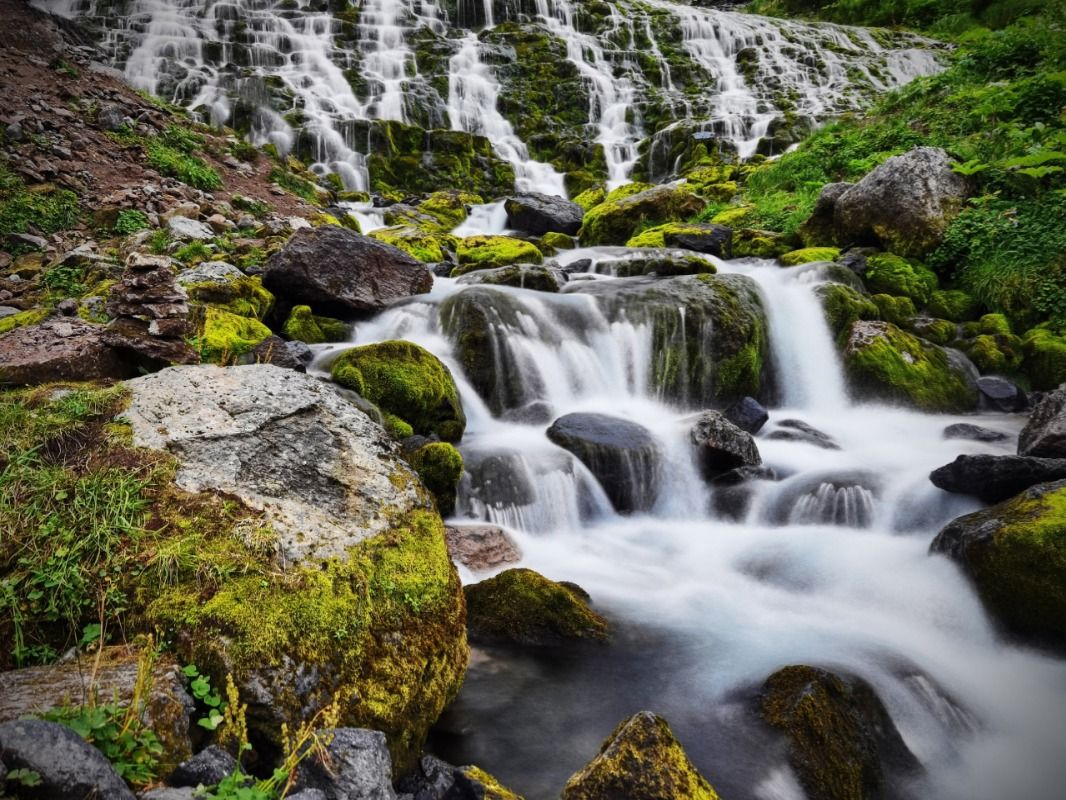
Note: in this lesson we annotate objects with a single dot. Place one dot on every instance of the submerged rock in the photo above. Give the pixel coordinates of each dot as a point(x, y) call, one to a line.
point(640, 760)
point(538, 214)
point(623, 456)
point(722, 446)
point(1013, 552)
point(662, 263)
point(796, 430)
point(842, 744)
point(748, 414)
point(536, 277)
point(1045, 432)
point(976, 433)
point(523, 607)
point(993, 479)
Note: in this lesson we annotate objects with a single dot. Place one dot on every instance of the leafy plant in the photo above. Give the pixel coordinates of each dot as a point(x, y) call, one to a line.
point(200, 686)
point(24, 777)
point(131, 222)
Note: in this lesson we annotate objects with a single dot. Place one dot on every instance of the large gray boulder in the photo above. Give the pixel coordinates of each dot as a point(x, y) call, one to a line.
point(341, 273)
point(904, 205)
point(358, 768)
point(69, 767)
point(541, 213)
point(993, 479)
point(324, 473)
point(1045, 433)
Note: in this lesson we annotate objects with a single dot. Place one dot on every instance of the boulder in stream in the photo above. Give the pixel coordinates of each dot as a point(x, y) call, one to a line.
point(748, 414)
point(1045, 433)
point(538, 214)
point(721, 446)
point(992, 478)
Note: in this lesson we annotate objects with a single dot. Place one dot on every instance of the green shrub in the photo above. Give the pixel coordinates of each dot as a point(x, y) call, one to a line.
point(42, 208)
point(131, 222)
point(177, 163)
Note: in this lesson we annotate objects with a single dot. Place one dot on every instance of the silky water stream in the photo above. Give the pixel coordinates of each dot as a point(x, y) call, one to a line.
point(827, 566)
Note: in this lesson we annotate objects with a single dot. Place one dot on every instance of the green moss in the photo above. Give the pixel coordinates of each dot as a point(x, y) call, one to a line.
point(655, 237)
point(426, 247)
point(1045, 358)
point(937, 331)
point(407, 381)
point(897, 310)
point(634, 206)
point(485, 252)
point(750, 243)
point(304, 326)
point(224, 336)
point(883, 362)
point(42, 207)
point(301, 187)
point(808, 255)
point(843, 306)
point(440, 466)
point(184, 166)
point(591, 197)
point(732, 216)
point(953, 304)
point(994, 325)
point(398, 429)
point(449, 207)
point(522, 606)
point(244, 296)
point(558, 241)
point(889, 274)
point(1000, 353)
point(23, 318)
point(486, 786)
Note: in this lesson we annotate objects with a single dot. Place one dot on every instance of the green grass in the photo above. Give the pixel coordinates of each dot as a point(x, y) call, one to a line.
point(25, 210)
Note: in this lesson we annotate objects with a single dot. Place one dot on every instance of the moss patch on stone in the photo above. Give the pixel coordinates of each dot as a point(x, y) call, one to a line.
point(751, 243)
point(417, 243)
point(590, 198)
point(1044, 358)
point(626, 210)
point(486, 252)
point(890, 274)
point(244, 296)
point(844, 305)
point(23, 318)
point(953, 304)
point(440, 466)
point(304, 326)
point(224, 336)
point(808, 255)
point(407, 381)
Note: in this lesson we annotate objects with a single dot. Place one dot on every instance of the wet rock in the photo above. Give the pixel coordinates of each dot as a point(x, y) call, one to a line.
point(722, 446)
point(842, 744)
point(358, 767)
point(338, 272)
point(276, 351)
point(538, 214)
point(1013, 554)
point(534, 413)
point(480, 547)
point(69, 767)
point(60, 349)
point(1045, 433)
point(170, 793)
point(704, 237)
point(993, 479)
point(184, 229)
point(283, 442)
point(796, 430)
point(832, 498)
point(734, 490)
point(615, 220)
point(33, 690)
point(904, 205)
point(536, 277)
point(430, 780)
point(622, 455)
point(471, 783)
point(523, 607)
point(207, 767)
point(975, 433)
point(662, 263)
point(747, 414)
point(640, 760)
point(1000, 394)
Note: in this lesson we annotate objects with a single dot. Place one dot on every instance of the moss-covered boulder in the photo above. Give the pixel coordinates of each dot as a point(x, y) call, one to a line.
point(897, 310)
point(663, 264)
point(475, 782)
point(753, 243)
point(449, 207)
point(1044, 357)
point(429, 247)
point(590, 198)
point(406, 381)
point(808, 255)
point(640, 760)
point(999, 353)
point(487, 252)
point(537, 277)
point(937, 331)
point(842, 744)
point(304, 326)
point(882, 362)
point(440, 466)
point(223, 336)
point(954, 305)
point(843, 306)
point(523, 607)
point(889, 274)
point(615, 220)
point(1015, 553)
point(703, 237)
point(223, 285)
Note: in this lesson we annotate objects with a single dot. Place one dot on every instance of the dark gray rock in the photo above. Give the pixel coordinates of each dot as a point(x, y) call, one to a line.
point(430, 781)
point(1000, 394)
point(534, 413)
point(276, 351)
point(538, 214)
point(975, 433)
point(70, 768)
point(622, 455)
point(722, 446)
point(704, 237)
point(308, 794)
point(359, 767)
point(207, 767)
point(536, 277)
point(795, 430)
point(993, 479)
point(60, 349)
point(827, 498)
point(341, 273)
point(747, 414)
point(653, 261)
point(1045, 433)
point(734, 490)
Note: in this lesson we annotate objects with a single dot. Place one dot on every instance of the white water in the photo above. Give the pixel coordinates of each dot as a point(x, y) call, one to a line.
point(844, 580)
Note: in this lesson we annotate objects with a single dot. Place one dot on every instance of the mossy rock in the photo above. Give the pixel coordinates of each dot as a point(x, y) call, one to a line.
point(733, 216)
point(890, 274)
point(486, 252)
point(440, 466)
point(751, 243)
point(844, 305)
point(1015, 553)
point(994, 353)
point(449, 208)
point(224, 336)
point(558, 241)
point(536, 277)
point(640, 760)
point(22, 319)
point(883, 362)
point(407, 381)
point(897, 310)
point(243, 296)
point(621, 214)
point(427, 247)
point(841, 740)
point(937, 331)
point(954, 305)
point(476, 783)
point(994, 325)
point(808, 255)
point(303, 326)
point(590, 198)
point(523, 607)
point(1044, 358)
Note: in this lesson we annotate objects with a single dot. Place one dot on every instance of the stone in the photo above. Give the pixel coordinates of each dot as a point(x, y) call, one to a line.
point(60, 349)
point(1013, 553)
point(276, 351)
point(170, 793)
point(703, 237)
point(1000, 394)
point(722, 446)
point(69, 767)
point(1045, 433)
point(993, 479)
point(339, 272)
point(472, 783)
point(975, 433)
point(430, 780)
point(842, 743)
point(616, 219)
point(748, 414)
point(307, 794)
point(622, 455)
point(904, 205)
point(657, 262)
point(535, 277)
point(207, 767)
point(219, 272)
point(796, 430)
point(640, 760)
point(358, 768)
point(111, 118)
point(481, 547)
point(538, 214)
point(33, 690)
point(523, 607)
point(184, 229)
point(283, 442)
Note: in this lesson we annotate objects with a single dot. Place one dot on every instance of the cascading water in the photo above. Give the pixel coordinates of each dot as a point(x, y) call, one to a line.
point(828, 566)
